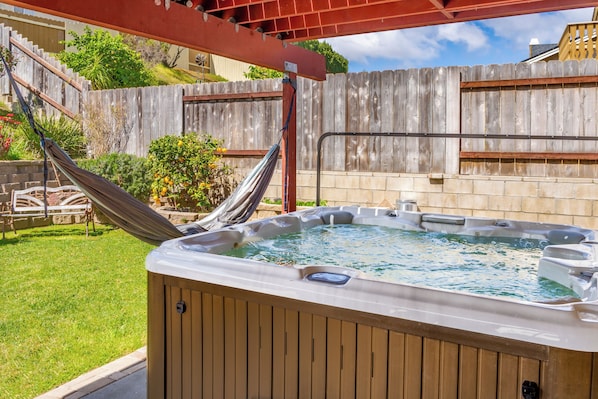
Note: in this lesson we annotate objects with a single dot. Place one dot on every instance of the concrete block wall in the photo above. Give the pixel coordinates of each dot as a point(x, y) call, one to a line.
point(549, 200)
point(18, 175)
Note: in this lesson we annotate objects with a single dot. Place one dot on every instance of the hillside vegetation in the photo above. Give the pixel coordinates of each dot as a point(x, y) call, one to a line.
point(170, 76)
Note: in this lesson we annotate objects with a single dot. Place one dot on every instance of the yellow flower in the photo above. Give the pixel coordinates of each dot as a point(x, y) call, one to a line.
point(180, 143)
point(166, 179)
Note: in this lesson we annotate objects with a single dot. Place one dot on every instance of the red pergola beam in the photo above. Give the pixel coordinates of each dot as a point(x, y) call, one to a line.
point(186, 27)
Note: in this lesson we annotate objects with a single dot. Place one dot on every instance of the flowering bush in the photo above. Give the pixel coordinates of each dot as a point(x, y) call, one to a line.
point(7, 123)
point(188, 172)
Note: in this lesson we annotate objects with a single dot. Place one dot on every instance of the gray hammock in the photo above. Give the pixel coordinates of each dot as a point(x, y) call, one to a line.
point(137, 218)
point(141, 221)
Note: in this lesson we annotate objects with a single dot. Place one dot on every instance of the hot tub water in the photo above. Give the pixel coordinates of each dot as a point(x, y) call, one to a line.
point(500, 267)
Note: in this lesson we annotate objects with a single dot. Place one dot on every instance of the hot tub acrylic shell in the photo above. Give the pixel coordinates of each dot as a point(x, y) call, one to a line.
point(226, 326)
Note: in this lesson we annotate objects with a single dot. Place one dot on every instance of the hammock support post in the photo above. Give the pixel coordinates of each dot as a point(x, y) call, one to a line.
point(289, 140)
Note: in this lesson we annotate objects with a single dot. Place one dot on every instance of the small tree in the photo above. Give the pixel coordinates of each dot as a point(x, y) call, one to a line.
point(105, 60)
point(188, 171)
point(335, 63)
point(258, 72)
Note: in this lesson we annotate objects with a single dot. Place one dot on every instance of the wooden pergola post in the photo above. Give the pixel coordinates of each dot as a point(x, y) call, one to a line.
point(289, 139)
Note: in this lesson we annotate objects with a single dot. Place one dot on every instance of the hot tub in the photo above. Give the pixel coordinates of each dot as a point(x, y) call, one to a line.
point(220, 326)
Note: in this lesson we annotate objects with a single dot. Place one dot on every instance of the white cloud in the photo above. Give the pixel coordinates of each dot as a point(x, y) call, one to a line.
point(412, 44)
point(546, 27)
point(467, 33)
point(409, 46)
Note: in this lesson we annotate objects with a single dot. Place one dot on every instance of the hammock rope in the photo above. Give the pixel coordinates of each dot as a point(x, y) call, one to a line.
point(35, 126)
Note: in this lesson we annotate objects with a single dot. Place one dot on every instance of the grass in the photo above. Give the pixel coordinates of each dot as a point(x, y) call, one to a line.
point(68, 304)
point(171, 76)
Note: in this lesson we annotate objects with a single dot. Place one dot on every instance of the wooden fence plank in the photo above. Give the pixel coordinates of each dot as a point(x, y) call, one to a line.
point(352, 145)
point(492, 112)
point(538, 101)
point(555, 109)
point(340, 95)
point(571, 114)
point(373, 150)
point(5, 34)
point(453, 119)
point(316, 124)
point(425, 119)
point(522, 117)
point(439, 119)
point(412, 121)
point(386, 119)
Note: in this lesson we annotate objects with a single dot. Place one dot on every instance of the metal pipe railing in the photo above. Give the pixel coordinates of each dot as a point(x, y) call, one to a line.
point(434, 135)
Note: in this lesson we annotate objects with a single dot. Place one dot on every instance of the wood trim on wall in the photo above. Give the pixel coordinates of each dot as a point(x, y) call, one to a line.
point(512, 83)
point(582, 156)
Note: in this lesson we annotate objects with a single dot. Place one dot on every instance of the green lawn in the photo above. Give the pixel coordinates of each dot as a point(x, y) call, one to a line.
point(68, 304)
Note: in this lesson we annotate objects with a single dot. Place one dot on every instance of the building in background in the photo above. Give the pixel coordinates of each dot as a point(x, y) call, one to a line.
point(578, 42)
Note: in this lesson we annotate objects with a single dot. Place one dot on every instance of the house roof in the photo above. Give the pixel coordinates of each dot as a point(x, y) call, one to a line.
point(541, 52)
point(538, 49)
point(260, 31)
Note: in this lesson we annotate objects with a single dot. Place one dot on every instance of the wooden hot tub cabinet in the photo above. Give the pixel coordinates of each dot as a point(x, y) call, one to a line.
point(212, 341)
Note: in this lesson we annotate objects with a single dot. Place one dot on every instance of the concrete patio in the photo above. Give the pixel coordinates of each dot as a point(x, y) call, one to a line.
point(124, 378)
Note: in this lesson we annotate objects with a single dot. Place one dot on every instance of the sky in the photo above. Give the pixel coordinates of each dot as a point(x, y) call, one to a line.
point(491, 41)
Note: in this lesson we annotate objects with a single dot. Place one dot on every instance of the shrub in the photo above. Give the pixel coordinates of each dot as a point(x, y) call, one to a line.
point(129, 172)
point(67, 133)
point(188, 172)
point(105, 60)
point(107, 130)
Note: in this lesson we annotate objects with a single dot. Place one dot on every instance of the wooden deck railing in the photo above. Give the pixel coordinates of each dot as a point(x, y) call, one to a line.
point(579, 41)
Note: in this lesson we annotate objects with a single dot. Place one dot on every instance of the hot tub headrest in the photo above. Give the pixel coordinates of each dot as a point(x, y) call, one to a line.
point(565, 237)
point(337, 217)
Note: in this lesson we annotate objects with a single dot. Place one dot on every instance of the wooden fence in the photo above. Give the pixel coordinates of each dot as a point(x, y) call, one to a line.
point(61, 90)
point(554, 100)
point(513, 104)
